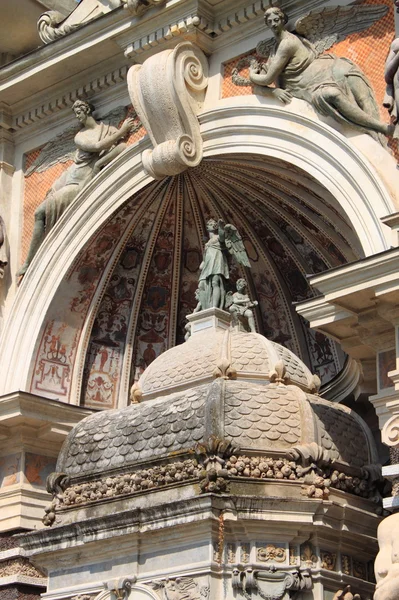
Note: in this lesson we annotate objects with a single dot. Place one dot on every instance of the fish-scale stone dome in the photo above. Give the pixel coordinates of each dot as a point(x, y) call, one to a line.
point(250, 356)
point(221, 384)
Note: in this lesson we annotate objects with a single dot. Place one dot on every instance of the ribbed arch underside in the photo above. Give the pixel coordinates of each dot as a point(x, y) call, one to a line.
point(292, 227)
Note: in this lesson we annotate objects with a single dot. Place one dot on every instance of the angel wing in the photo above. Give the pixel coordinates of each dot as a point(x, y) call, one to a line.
point(61, 148)
point(325, 27)
point(235, 245)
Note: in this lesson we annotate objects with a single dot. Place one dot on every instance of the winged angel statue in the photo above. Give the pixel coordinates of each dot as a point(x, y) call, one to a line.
point(224, 239)
point(297, 65)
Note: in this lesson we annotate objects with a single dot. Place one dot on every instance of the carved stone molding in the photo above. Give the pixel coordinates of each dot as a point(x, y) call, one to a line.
point(167, 92)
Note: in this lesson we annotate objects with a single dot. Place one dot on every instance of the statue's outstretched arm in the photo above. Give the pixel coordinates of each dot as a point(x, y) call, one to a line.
point(107, 142)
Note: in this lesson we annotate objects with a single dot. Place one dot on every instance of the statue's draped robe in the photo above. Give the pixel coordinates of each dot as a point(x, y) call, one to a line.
point(72, 181)
point(215, 263)
point(307, 78)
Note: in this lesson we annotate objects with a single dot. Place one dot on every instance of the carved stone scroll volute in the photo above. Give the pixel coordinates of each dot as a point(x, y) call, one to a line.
point(167, 92)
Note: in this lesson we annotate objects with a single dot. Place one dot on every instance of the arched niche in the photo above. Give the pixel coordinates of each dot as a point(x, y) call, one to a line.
point(84, 248)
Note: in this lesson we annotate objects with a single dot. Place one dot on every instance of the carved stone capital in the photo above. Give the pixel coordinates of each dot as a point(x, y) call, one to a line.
point(167, 92)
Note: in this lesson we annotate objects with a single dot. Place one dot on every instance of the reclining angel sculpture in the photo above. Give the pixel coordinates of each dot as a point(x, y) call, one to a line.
point(224, 239)
point(96, 144)
point(335, 87)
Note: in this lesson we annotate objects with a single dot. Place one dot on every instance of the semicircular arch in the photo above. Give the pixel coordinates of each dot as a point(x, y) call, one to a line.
point(311, 146)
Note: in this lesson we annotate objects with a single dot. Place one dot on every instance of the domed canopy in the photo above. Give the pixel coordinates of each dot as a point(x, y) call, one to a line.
point(258, 403)
point(251, 356)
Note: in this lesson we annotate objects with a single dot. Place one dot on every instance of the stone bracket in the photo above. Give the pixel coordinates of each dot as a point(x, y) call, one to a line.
point(167, 92)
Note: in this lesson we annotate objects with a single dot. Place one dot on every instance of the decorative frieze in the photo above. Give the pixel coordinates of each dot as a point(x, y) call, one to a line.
point(180, 588)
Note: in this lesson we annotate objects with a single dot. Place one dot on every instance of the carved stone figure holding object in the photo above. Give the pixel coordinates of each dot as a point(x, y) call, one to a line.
point(240, 305)
point(224, 239)
point(97, 145)
point(334, 86)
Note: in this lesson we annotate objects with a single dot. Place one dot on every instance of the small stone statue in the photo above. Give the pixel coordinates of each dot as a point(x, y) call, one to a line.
point(224, 239)
point(240, 305)
point(97, 145)
point(335, 87)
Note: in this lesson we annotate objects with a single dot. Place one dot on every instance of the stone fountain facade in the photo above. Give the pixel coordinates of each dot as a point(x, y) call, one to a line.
point(231, 478)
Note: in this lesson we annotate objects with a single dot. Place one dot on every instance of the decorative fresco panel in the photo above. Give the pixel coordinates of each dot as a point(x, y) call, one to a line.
point(38, 468)
point(108, 338)
point(57, 347)
point(10, 470)
point(153, 328)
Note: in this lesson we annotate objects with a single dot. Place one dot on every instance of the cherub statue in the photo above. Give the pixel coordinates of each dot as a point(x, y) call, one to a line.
point(223, 240)
point(334, 86)
point(97, 145)
point(240, 305)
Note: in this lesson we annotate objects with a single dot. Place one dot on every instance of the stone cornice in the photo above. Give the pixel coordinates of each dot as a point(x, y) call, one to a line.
point(58, 104)
point(50, 419)
point(211, 27)
point(370, 272)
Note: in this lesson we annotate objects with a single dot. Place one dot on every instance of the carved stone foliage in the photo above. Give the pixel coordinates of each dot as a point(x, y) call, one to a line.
point(213, 455)
point(217, 464)
point(328, 560)
point(167, 92)
point(270, 583)
point(271, 553)
point(307, 555)
point(180, 588)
